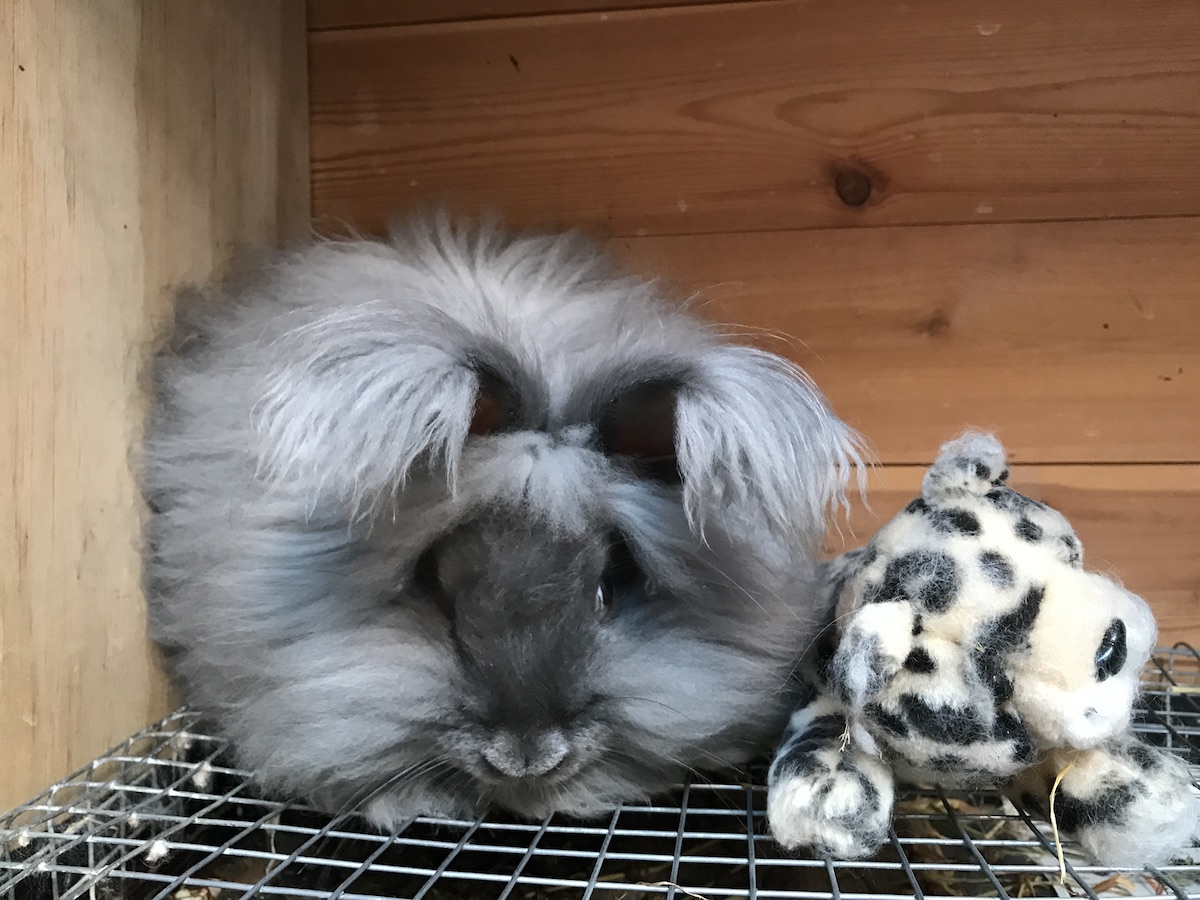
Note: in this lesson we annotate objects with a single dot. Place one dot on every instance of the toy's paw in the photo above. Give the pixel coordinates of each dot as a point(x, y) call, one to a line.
point(1135, 807)
point(836, 802)
point(1127, 803)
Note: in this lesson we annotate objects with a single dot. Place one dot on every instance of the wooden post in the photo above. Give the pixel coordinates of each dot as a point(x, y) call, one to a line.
point(141, 142)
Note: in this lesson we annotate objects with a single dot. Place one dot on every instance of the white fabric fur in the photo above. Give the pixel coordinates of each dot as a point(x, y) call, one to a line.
point(971, 647)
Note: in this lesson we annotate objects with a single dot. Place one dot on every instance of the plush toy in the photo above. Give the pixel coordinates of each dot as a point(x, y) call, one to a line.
point(969, 647)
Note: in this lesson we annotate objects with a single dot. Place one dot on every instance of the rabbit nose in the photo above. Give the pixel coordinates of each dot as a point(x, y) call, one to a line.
point(537, 754)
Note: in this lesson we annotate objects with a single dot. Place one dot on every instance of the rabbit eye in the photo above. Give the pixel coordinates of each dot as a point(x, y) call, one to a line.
point(425, 573)
point(495, 405)
point(1110, 655)
point(639, 426)
point(603, 597)
point(427, 579)
point(622, 575)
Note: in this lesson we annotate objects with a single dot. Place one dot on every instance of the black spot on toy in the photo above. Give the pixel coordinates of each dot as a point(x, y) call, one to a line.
point(1008, 727)
point(925, 578)
point(920, 661)
point(1144, 756)
point(948, 724)
point(1108, 808)
point(1028, 530)
point(888, 719)
point(955, 521)
point(996, 568)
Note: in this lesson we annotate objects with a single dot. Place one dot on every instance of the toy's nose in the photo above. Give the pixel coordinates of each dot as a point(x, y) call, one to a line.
point(528, 756)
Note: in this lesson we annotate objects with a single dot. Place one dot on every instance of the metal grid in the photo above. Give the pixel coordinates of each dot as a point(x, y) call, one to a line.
point(163, 816)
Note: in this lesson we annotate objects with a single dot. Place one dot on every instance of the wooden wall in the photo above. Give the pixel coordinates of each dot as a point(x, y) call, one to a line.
point(140, 143)
point(964, 211)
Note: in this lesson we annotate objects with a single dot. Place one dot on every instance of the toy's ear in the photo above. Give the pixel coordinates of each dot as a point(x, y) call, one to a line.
point(872, 648)
point(972, 463)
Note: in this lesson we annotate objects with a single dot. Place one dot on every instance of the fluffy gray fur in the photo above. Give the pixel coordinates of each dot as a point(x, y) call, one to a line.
point(385, 611)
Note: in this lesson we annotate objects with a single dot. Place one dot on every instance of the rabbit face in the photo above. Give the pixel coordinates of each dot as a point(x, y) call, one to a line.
point(587, 657)
point(523, 606)
point(467, 520)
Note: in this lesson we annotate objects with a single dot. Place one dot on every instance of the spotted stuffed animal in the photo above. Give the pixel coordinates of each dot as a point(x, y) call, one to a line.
point(969, 647)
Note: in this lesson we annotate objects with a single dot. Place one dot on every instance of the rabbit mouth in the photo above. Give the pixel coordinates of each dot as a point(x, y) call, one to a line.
point(550, 771)
point(594, 788)
point(555, 778)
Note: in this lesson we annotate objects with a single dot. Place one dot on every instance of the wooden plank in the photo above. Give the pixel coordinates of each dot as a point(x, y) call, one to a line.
point(327, 14)
point(140, 142)
point(1078, 341)
point(742, 116)
point(1137, 523)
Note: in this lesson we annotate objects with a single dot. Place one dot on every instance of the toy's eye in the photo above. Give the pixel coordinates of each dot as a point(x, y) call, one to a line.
point(1110, 655)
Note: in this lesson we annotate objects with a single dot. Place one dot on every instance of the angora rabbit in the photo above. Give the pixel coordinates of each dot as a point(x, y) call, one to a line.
point(465, 519)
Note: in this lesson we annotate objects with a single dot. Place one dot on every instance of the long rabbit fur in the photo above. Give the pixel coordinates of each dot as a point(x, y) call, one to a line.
point(466, 518)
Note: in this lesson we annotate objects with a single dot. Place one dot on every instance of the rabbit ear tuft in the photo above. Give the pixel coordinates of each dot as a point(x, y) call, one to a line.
point(755, 432)
point(343, 416)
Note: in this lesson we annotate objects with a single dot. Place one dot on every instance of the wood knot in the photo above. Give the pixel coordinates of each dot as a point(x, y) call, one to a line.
point(853, 185)
point(936, 325)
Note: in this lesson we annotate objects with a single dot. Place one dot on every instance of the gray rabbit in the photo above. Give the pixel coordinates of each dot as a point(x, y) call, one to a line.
point(465, 519)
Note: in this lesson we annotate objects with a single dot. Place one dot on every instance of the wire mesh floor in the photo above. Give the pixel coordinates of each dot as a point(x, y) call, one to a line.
point(163, 816)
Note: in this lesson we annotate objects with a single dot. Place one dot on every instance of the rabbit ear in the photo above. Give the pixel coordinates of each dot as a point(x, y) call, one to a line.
point(753, 430)
point(339, 413)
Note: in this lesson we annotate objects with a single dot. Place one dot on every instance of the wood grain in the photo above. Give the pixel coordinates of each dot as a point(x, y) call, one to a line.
point(140, 144)
point(1138, 523)
point(1077, 341)
point(740, 116)
point(326, 14)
